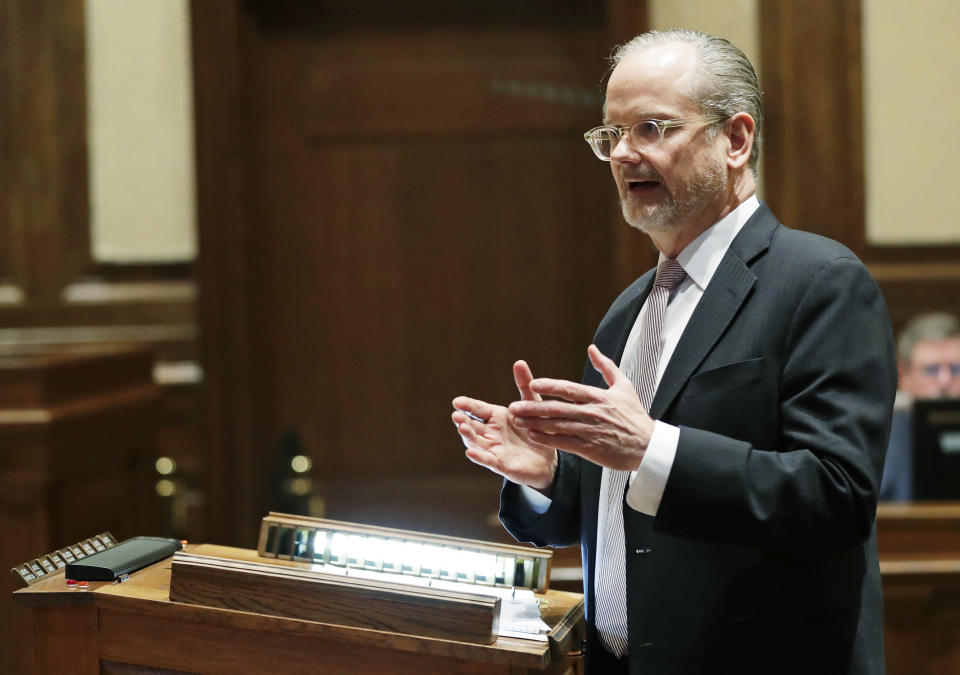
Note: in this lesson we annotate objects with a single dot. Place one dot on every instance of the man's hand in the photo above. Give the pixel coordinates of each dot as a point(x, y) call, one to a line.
point(606, 426)
point(493, 440)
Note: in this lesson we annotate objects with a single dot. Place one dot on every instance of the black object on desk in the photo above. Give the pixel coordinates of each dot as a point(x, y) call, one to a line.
point(123, 559)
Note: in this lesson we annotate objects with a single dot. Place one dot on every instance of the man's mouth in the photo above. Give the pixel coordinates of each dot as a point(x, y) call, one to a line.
point(642, 185)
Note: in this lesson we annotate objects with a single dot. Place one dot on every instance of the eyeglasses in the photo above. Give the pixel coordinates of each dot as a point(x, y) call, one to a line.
point(645, 135)
point(933, 369)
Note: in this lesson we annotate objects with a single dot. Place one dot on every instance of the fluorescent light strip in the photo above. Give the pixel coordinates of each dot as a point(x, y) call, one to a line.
point(407, 557)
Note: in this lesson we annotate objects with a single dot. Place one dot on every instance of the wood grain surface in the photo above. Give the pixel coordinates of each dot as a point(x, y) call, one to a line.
point(316, 596)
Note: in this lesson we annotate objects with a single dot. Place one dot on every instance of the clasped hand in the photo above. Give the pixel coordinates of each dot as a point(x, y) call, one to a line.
point(606, 426)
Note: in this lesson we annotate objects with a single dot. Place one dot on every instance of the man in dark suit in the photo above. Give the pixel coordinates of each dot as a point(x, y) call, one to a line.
point(727, 526)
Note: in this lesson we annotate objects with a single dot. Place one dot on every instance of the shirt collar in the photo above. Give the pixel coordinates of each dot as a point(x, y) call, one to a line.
point(702, 256)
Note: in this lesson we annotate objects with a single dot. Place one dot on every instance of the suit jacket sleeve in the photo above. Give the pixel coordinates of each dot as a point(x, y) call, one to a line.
point(560, 525)
point(815, 487)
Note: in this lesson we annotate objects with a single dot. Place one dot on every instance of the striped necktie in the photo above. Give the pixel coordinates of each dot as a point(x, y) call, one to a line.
point(640, 366)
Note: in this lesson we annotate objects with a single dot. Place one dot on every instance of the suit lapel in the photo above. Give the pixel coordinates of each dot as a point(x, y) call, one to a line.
point(721, 300)
point(612, 338)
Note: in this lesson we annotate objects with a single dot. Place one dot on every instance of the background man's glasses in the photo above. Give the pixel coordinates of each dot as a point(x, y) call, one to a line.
point(933, 369)
point(645, 135)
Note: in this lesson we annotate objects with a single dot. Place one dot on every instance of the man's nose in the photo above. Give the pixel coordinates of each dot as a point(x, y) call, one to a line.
point(624, 151)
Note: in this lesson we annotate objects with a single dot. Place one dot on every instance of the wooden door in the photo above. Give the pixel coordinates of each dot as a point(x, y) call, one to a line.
point(395, 204)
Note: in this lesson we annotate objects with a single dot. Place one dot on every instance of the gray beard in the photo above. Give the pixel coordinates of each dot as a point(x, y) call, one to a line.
point(676, 210)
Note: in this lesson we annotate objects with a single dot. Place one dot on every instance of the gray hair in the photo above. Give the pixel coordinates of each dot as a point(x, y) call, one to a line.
point(932, 326)
point(725, 84)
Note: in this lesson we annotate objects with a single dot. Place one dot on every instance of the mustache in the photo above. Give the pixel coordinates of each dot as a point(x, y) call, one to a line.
point(640, 175)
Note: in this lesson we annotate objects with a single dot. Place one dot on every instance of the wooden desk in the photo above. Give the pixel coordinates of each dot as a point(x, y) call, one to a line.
point(919, 546)
point(918, 531)
point(118, 628)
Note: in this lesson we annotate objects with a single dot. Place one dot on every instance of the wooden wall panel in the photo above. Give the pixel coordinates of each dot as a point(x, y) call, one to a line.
point(47, 277)
point(813, 174)
point(45, 153)
point(443, 195)
point(913, 287)
point(403, 204)
point(53, 297)
point(225, 245)
point(49, 285)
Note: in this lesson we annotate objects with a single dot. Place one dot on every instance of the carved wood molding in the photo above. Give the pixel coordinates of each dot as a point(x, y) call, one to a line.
point(225, 247)
point(913, 271)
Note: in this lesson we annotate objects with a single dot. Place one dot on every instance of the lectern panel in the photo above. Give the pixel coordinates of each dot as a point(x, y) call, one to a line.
point(306, 594)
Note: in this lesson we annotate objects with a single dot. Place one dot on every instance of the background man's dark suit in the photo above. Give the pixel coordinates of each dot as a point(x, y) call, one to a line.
point(897, 483)
point(762, 556)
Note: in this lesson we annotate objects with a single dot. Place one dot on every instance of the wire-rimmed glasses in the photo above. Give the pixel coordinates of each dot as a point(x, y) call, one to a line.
point(645, 135)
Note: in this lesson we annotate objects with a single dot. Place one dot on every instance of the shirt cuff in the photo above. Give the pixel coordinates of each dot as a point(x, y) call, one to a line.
point(534, 500)
point(648, 482)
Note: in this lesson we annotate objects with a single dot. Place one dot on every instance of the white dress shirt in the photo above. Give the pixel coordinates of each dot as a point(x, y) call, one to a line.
point(699, 260)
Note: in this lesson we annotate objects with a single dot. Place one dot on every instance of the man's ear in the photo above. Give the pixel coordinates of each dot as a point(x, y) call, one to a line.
point(903, 374)
point(740, 132)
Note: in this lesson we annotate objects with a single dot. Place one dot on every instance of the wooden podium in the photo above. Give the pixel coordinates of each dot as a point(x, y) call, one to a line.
point(131, 626)
point(77, 444)
point(127, 627)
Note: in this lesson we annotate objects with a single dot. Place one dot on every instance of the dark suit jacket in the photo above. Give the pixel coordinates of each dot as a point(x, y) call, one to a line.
point(762, 557)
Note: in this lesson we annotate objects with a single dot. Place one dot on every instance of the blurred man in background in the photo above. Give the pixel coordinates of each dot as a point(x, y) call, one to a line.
point(928, 355)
